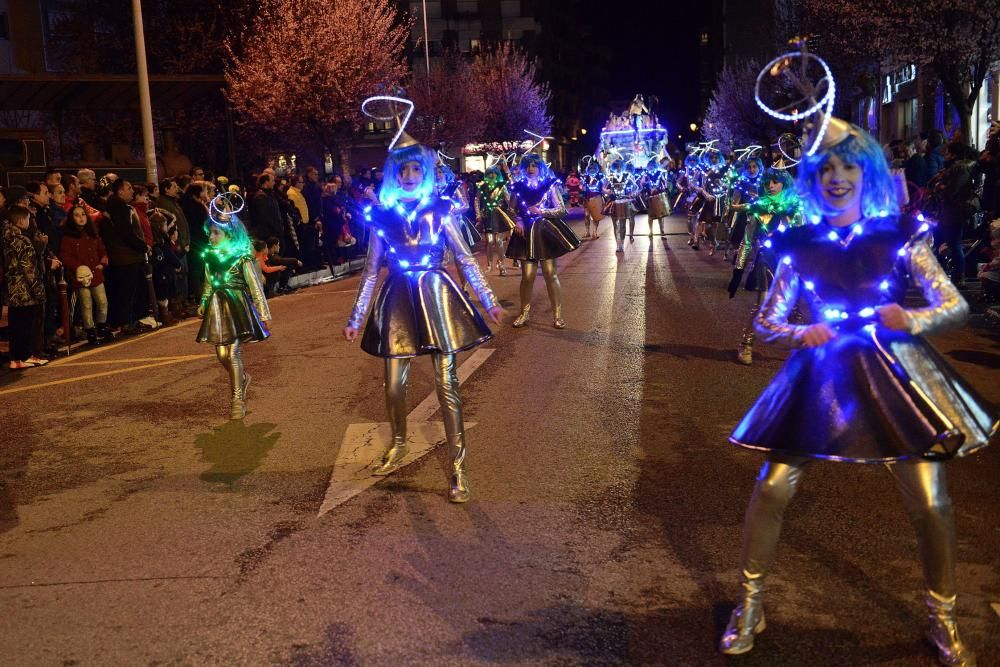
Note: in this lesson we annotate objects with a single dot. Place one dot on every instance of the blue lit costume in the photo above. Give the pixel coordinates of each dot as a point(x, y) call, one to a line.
point(870, 395)
point(620, 189)
point(593, 197)
point(418, 309)
point(657, 188)
point(541, 236)
point(491, 212)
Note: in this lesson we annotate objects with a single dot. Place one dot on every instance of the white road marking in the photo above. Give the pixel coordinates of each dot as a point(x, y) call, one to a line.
point(363, 443)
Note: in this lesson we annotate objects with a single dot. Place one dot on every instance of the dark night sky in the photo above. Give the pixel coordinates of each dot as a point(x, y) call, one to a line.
point(653, 49)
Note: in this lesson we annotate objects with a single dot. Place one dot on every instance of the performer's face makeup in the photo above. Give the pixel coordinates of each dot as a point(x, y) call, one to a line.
point(774, 187)
point(841, 183)
point(531, 170)
point(411, 175)
point(753, 169)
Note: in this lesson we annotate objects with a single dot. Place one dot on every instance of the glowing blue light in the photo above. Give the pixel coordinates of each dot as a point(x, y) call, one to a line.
point(815, 219)
point(883, 213)
point(368, 218)
point(368, 209)
point(392, 250)
point(810, 285)
point(403, 263)
point(833, 236)
point(866, 312)
point(425, 260)
point(782, 228)
point(857, 229)
point(901, 252)
point(923, 228)
point(920, 217)
point(786, 260)
point(831, 314)
point(870, 328)
point(767, 243)
point(381, 232)
point(884, 285)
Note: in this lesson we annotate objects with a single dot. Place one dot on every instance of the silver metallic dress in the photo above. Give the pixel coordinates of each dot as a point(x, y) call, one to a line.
point(545, 236)
point(418, 309)
point(234, 301)
point(871, 394)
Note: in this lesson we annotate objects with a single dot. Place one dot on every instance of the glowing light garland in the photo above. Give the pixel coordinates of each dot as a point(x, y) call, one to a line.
point(824, 106)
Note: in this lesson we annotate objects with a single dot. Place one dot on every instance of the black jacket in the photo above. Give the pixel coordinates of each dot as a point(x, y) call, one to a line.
point(266, 219)
point(122, 234)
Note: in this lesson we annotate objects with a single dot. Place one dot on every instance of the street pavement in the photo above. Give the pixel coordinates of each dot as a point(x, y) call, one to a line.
point(139, 526)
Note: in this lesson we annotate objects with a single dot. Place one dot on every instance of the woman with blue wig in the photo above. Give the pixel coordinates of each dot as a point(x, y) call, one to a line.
point(540, 235)
point(418, 309)
point(862, 384)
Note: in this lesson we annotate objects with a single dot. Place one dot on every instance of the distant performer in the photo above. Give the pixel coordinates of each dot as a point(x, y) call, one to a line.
point(233, 302)
point(540, 235)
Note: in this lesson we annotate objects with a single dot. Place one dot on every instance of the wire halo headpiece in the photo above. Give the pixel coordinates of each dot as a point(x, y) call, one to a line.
point(818, 96)
point(392, 112)
point(224, 206)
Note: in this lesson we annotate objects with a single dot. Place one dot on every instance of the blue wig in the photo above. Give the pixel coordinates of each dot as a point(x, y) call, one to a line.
point(878, 191)
point(533, 158)
point(616, 168)
point(446, 173)
point(778, 176)
point(391, 191)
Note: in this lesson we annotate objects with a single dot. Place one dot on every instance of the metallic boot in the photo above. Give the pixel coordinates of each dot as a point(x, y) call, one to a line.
point(747, 619)
point(239, 405)
point(459, 491)
point(523, 318)
point(393, 457)
point(501, 267)
point(943, 632)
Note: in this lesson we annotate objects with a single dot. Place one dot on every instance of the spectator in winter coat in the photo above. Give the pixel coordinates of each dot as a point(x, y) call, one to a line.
point(140, 202)
point(24, 273)
point(955, 191)
point(169, 201)
point(934, 157)
point(58, 209)
point(166, 265)
point(85, 259)
point(127, 251)
point(88, 189)
point(196, 212)
point(265, 213)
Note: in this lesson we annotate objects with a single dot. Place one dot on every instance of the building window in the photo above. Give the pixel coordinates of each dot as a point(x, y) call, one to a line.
point(704, 39)
point(474, 46)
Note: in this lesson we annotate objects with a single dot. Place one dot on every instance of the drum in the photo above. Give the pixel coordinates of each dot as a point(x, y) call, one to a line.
point(621, 209)
point(658, 207)
point(595, 207)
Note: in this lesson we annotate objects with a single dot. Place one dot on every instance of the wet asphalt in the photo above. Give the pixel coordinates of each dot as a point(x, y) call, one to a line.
point(139, 526)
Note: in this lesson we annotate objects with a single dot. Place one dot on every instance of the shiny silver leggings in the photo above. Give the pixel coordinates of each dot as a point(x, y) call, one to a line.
point(231, 358)
point(924, 490)
point(529, 269)
point(397, 375)
point(494, 248)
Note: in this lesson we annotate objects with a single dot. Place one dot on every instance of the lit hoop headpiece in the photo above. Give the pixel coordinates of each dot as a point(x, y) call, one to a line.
point(818, 97)
point(224, 207)
point(400, 139)
point(538, 137)
point(747, 152)
point(789, 146)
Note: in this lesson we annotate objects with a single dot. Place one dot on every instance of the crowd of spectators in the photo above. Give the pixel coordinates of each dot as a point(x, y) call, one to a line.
point(959, 186)
point(130, 253)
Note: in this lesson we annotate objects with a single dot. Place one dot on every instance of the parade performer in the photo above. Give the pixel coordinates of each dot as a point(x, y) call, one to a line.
point(712, 191)
point(233, 302)
point(657, 188)
point(620, 190)
point(690, 195)
point(593, 199)
point(863, 385)
point(744, 191)
point(632, 175)
point(449, 188)
point(418, 309)
point(491, 212)
point(541, 235)
point(776, 209)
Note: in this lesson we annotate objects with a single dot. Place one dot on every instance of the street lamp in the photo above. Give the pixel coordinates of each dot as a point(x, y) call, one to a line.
point(583, 130)
point(694, 127)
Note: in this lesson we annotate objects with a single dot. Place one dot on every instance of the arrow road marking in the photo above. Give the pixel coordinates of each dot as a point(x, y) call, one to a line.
point(364, 443)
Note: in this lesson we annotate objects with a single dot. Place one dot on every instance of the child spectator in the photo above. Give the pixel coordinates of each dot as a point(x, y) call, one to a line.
point(85, 258)
point(989, 275)
point(275, 260)
point(165, 264)
point(270, 272)
point(24, 273)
